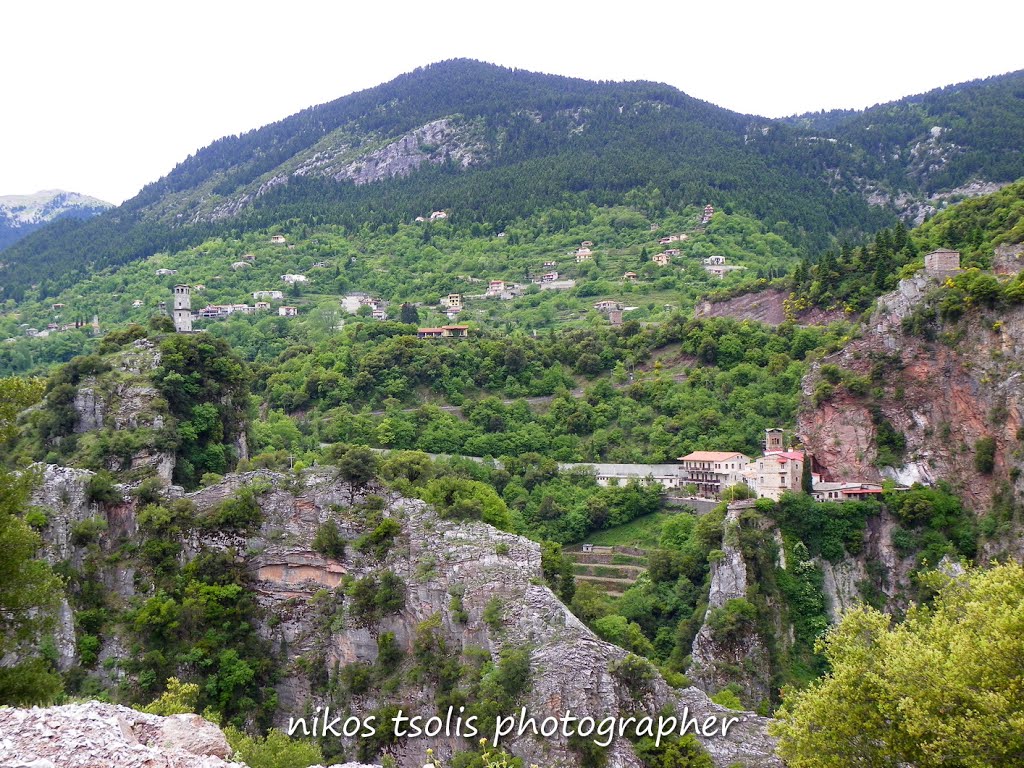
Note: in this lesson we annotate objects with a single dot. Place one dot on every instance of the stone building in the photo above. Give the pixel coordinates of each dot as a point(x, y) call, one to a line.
point(182, 309)
point(942, 262)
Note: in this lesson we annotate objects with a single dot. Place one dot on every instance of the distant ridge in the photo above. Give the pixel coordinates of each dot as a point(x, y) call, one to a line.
point(20, 215)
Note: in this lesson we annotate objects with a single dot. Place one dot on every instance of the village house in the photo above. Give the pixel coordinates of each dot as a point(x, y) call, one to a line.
point(615, 317)
point(672, 251)
point(272, 295)
point(166, 272)
point(662, 259)
point(607, 305)
point(709, 211)
point(839, 492)
point(353, 301)
point(278, 239)
point(629, 275)
point(292, 279)
point(379, 314)
point(666, 475)
point(57, 306)
point(778, 472)
point(715, 260)
point(262, 306)
point(452, 302)
point(321, 264)
point(287, 311)
point(198, 288)
point(436, 215)
point(444, 332)
point(583, 254)
point(499, 289)
point(713, 471)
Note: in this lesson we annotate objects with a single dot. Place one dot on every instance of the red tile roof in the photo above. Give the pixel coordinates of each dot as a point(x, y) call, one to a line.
point(709, 456)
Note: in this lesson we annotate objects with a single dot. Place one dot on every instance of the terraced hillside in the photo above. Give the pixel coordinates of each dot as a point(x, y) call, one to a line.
point(612, 570)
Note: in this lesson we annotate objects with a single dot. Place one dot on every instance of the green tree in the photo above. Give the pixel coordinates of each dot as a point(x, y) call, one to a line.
point(28, 588)
point(940, 689)
point(409, 314)
point(357, 467)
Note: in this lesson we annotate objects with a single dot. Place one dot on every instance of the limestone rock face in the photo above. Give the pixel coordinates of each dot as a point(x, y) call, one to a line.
point(434, 142)
point(125, 399)
point(96, 735)
point(307, 617)
point(941, 395)
point(90, 410)
point(715, 659)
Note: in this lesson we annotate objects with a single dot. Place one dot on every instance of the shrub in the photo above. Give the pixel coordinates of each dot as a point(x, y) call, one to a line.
point(241, 513)
point(985, 455)
point(102, 489)
point(328, 541)
point(494, 614)
point(633, 672)
point(378, 541)
point(38, 518)
point(275, 750)
point(87, 531)
point(728, 697)
point(730, 621)
point(178, 699)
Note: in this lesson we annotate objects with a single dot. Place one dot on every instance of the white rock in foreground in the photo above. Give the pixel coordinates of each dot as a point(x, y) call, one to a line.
point(96, 735)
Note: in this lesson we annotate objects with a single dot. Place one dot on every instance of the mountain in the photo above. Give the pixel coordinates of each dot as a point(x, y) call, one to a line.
point(492, 145)
point(21, 215)
point(952, 142)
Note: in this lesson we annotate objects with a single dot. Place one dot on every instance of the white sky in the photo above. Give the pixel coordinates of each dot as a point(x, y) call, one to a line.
point(103, 97)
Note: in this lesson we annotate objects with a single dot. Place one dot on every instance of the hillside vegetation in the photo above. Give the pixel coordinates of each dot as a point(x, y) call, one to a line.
point(496, 145)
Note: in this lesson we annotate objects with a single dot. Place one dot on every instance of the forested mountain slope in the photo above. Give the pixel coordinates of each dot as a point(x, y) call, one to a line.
point(491, 145)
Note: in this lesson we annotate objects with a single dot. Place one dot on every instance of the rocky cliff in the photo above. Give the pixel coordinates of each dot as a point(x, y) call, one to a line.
point(931, 389)
point(310, 617)
point(722, 654)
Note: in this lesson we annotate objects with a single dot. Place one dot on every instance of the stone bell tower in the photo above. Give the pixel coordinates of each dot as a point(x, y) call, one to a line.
point(182, 309)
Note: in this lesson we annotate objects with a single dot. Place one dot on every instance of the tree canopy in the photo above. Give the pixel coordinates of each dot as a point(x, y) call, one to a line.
point(942, 688)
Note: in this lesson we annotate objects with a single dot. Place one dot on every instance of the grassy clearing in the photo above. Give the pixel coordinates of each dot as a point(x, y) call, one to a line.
point(642, 533)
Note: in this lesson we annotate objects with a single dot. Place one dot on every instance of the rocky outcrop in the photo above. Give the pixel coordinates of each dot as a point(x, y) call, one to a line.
point(96, 735)
point(440, 141)
point(942, 391)
point(765, 306)
point(125, 399)
point(740, 657)
point(308, 617)
point(342, 156)
point(1008, 259)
